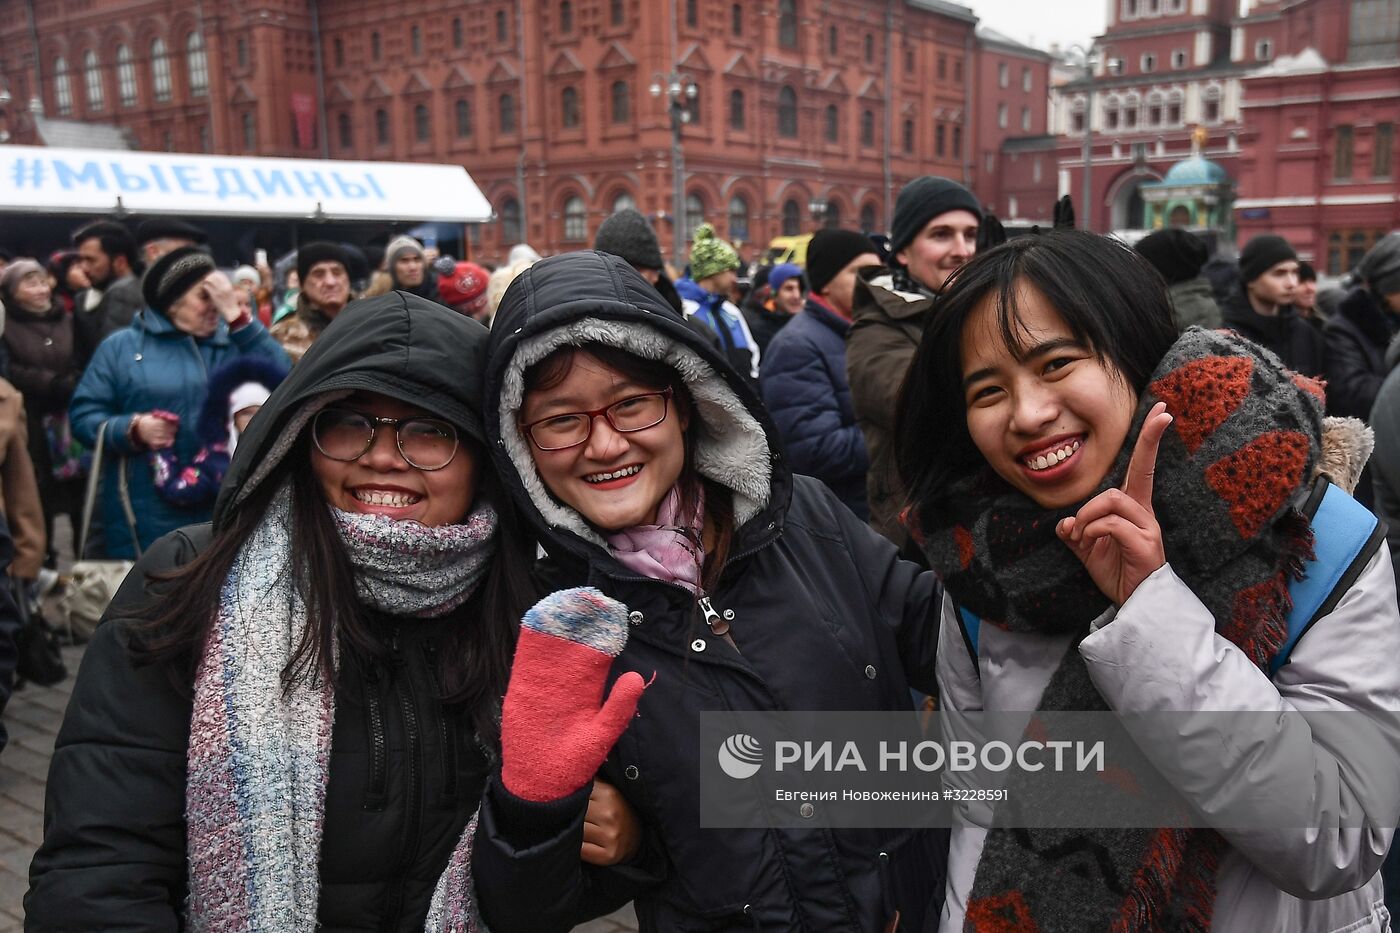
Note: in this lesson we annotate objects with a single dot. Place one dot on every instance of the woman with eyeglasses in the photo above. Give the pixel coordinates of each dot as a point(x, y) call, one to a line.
point(287, 719)
point(721, 582)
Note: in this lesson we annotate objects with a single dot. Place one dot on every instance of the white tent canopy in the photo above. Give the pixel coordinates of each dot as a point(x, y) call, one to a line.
point(35, 179)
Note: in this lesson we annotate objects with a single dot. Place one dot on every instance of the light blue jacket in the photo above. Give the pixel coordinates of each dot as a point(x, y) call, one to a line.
point(152, 365)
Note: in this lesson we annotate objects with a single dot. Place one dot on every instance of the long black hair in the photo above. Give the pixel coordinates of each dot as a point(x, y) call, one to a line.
point(1111, 300)
point(473, 662)
point(654, 374)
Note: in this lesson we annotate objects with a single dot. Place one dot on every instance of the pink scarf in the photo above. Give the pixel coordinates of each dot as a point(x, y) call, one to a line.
point(672, 550)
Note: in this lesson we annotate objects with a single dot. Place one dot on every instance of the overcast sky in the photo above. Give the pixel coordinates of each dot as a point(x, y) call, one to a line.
point(1041, 22)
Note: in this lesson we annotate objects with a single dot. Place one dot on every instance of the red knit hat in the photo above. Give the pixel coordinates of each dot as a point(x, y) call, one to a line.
point(465, 288)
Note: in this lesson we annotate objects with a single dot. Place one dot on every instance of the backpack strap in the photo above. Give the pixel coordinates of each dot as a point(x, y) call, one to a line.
point(1346, 535)
point(971, 625)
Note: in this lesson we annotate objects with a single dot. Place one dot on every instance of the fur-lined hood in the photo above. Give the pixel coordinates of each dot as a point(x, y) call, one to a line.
point(589, 296)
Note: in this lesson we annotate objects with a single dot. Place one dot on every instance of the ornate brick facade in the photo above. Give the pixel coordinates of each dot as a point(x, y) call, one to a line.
point(548, 104)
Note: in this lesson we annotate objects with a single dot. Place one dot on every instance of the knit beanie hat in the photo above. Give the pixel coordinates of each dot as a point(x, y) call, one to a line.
point(924, 199)
point(829, 252)
point(398, 246)
point(1175, 253)
point(465, 287)
point(1263, 253)
point(628, 234)
point(173, 274)
point(782, 272)
point(709, 255)
point(320, 251)
point(16, 271)
point(1380, 268)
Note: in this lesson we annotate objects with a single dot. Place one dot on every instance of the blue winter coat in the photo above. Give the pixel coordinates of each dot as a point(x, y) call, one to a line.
point(147, 366)
point(804, 386)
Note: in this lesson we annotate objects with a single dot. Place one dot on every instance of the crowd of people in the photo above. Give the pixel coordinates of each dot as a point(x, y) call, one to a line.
point(437, 567)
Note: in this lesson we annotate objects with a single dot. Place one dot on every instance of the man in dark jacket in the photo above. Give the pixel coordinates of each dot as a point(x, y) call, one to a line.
point(936, 222)
point(108, 255)
point(1262, 309)
point(804, 371)
point(1178, 256)
point(9, 629)
point(1361, 330)
point(408, 268)
point(323, 269)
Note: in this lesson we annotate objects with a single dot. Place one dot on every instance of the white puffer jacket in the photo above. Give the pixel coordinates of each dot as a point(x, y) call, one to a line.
point(1161, 652)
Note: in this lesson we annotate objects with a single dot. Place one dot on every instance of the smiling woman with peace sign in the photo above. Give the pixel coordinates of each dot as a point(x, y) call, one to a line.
point(1142, 520)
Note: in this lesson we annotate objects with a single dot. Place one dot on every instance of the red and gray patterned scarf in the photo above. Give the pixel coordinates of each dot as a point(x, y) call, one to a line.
point(1245, 438)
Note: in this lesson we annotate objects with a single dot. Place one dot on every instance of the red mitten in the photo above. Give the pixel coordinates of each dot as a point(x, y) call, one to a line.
point(556, 730)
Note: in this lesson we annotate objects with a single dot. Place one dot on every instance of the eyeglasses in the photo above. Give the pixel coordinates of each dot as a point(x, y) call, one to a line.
point(635, 413)
point(426, 443)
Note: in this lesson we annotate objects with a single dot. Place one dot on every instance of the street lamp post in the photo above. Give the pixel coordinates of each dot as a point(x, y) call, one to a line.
point(679, 91)
point(1087, 211)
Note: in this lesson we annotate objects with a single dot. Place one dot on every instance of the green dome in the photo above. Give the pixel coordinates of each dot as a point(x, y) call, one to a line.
point(1195, 171)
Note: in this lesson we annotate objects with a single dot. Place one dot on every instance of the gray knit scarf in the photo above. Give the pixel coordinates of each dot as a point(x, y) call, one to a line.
point(410, 569)
point(259, 754)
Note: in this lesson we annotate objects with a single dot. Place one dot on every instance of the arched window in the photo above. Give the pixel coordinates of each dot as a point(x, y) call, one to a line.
point(787, 112)
point(422, 124)
point(1112, 107)
point(506, 111)
point(867, 218)
point(738, 118)
point(566, 17)
point(381, 127)
point(462, 109)
point(1130, 112)
point(787, 23)
point(250, 131)
point(833, 123)
point(345, 131)
point(621, 102)
point(694, 214)
point(618, 15)
point(126, 76)
point(623, 202)
point(197, 64)
point(1174, 109)
point(738, 218)
point(568, 107)
point(509, 215)
point(575, 219)
point(1077, 116)
point(833, 214)
point(160, 70)
point(867, 127)
point(792, 218)
point(1210, 109)
point(62, 88)
point(92, 81)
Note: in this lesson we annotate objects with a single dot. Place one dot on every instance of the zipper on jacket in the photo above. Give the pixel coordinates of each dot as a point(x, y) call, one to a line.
point(403, 687)
point(447, 728)
point(376, 794)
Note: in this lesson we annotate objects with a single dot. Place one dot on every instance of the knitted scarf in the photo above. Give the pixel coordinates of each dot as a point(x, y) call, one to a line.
point(672, 550)
point(258, 755)
point(1245, 437)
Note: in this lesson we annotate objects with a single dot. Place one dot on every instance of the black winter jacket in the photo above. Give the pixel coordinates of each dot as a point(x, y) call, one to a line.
point(405, 772)
point(1289, 337)
point(825, 617)
point(1357, 338)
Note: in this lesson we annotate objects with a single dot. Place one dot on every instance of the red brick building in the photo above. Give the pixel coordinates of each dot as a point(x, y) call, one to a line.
point(805, 112)
point(1299, 100)
point(1014, 170)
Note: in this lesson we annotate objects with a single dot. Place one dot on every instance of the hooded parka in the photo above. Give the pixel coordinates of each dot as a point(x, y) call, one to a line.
point(151, 365)
point(824, 617)
point(405, 770)
point(885, 331)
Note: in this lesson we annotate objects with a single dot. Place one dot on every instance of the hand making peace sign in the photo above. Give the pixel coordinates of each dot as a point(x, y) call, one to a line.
point(1116, 535)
